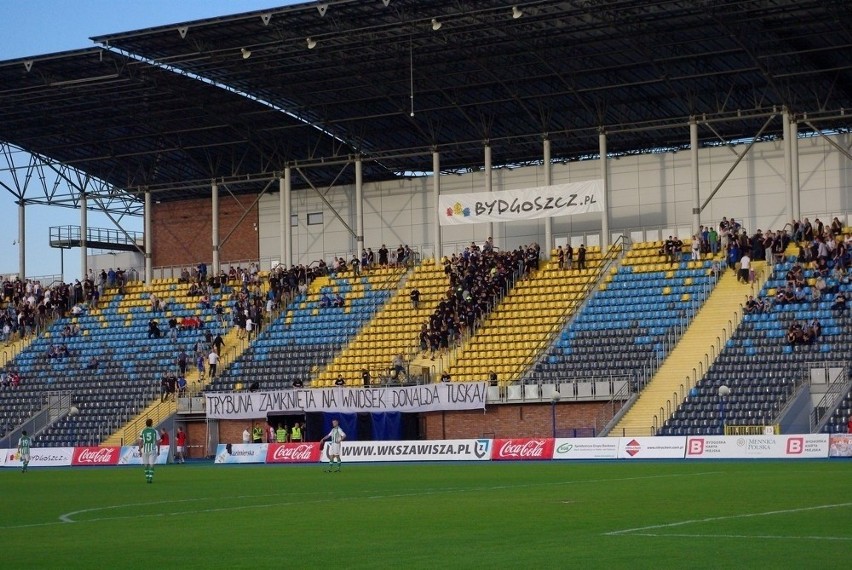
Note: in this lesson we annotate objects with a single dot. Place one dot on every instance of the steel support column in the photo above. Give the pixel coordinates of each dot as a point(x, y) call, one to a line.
point(436, 193)
point(148, 215)
point(489, 181)
point(605, 196)
point(84, 231)
point(693, 153)
point(548, 222)
point(287, 213)
point(794, 162)
point(214, 201)
point(359, 207)
point(22, 244)
point(788, 166)
point(283, 222)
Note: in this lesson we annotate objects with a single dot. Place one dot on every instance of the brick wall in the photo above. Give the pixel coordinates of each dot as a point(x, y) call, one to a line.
point(181, 231)
point(231, 431)
point(196, 439)
point(510, 420)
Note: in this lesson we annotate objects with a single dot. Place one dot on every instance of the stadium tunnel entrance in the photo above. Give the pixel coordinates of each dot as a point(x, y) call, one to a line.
point(358, 427)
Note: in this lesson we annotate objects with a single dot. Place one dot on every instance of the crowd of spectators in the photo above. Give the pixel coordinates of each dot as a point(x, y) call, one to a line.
point(798, 333)
point(29, 306)
point(818, 270)
point(9, 378)
point(477, 277)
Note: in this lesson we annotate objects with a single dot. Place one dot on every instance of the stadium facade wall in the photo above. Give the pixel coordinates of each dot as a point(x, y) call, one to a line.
point(501, 421)
point(511, 420)
point(231, 431)
point(181, 232)
point(196, 439)
point(647, 192)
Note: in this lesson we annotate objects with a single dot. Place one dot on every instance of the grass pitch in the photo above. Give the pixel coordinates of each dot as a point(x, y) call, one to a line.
point(486, 515)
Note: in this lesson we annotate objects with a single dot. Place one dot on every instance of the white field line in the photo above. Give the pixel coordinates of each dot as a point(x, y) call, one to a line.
point(747, 536)
point(70, 517)
point(641, 530)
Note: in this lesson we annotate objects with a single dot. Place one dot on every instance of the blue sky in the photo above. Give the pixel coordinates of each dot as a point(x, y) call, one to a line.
point(35, 27)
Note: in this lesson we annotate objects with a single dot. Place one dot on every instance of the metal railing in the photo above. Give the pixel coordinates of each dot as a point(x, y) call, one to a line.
point(836, 391)
point(55, 406)
point(612, 412)
point(610, 258)
point(60, 235)
point(263, 264)
point(158, 415)
point(758, 429)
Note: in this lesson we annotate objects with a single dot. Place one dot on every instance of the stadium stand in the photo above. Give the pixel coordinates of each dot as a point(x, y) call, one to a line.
point(307, 335)
point(129, 368)
point(693, 354)
point(838, 421)
point(525, 321)
point(394, 330)
point(759, 365)
point(631, 323)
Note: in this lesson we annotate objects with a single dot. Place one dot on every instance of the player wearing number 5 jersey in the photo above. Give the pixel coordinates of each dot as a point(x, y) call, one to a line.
point(149, 448)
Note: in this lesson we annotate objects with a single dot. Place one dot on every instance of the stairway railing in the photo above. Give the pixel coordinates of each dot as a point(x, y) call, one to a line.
point(612, 257)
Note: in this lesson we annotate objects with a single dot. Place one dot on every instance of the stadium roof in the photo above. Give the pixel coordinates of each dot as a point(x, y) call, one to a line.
point(239, 97)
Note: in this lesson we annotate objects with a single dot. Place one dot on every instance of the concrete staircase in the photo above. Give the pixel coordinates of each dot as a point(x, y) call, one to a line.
point(160, 411)
point(692, 356)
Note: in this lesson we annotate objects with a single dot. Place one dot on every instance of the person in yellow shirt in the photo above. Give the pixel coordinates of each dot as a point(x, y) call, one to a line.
point(296, 433)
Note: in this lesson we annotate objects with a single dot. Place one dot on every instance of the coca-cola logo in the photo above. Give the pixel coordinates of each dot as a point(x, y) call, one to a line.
point(96, 456)
point(524, 449)
point(293, 453)
point(299, 453)
point(529, 449)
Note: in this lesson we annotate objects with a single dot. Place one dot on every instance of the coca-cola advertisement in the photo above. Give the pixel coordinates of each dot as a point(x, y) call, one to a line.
point(526, 449)
point(293, 452)
point(96, 456)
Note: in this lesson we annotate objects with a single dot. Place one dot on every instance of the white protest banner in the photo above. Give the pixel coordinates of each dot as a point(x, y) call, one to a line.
point(425, 398)
point(443, 450)
point(529, 204)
